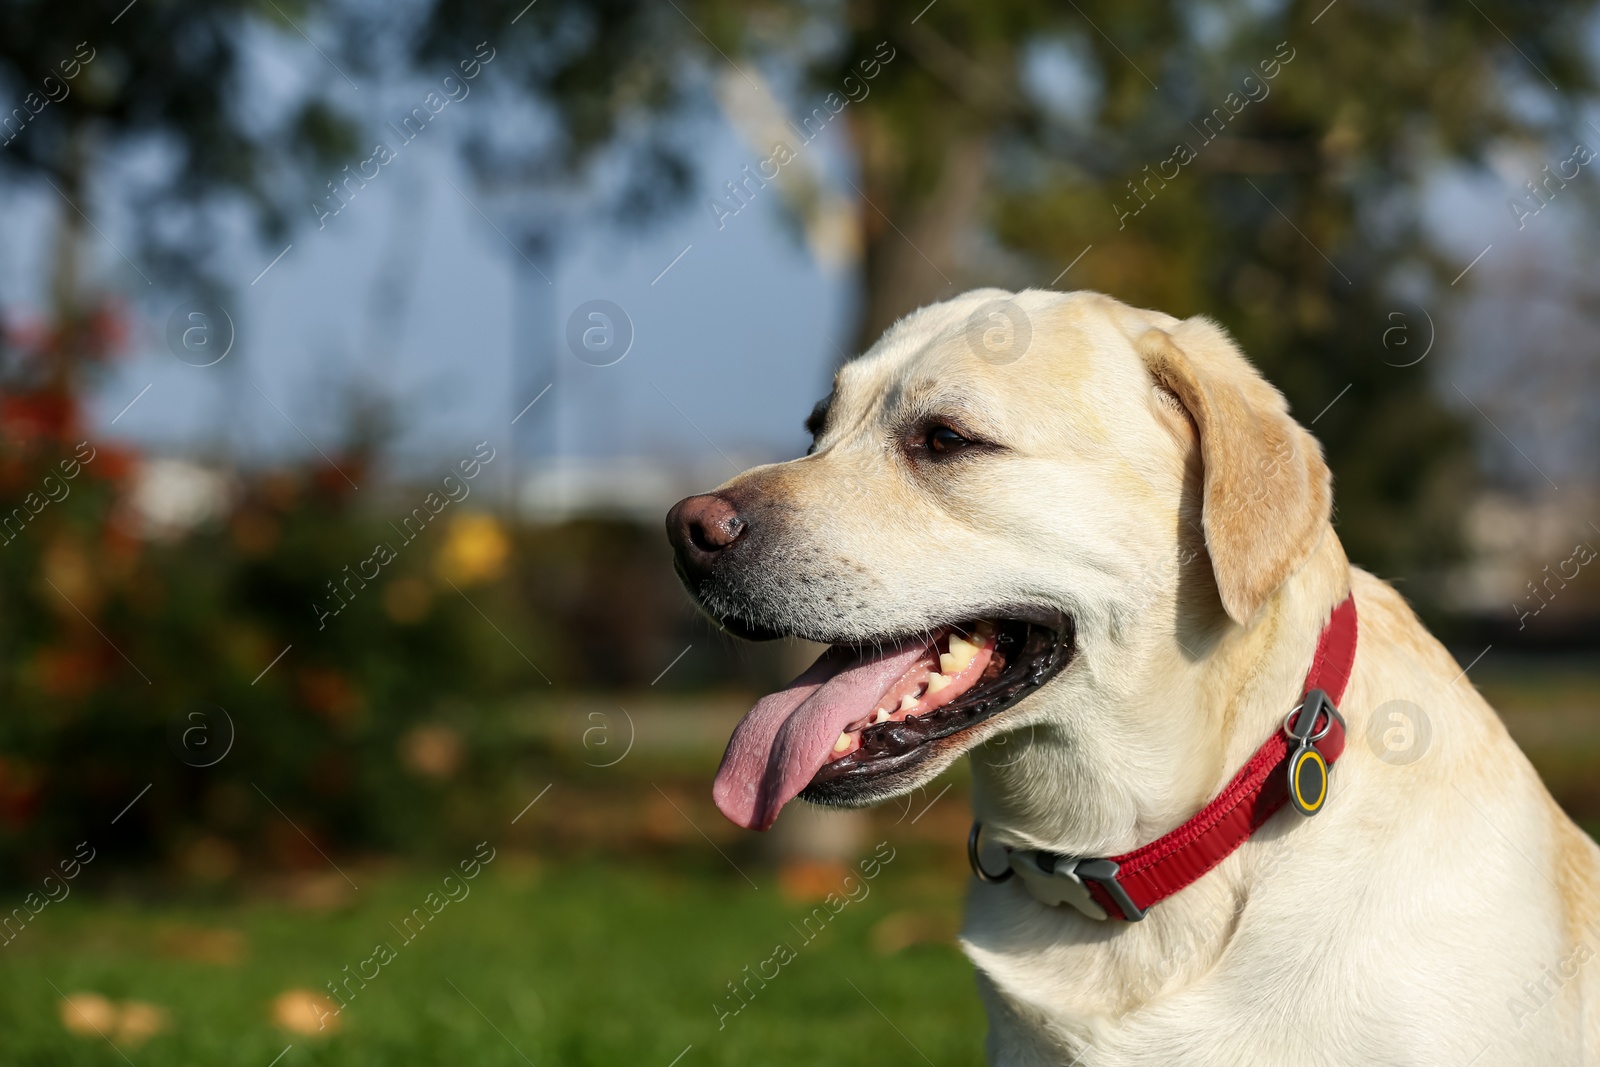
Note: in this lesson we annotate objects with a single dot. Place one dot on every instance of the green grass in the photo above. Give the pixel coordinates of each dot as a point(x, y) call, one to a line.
point(573, 963)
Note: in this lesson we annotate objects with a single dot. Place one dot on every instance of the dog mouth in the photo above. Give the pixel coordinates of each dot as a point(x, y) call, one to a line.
point(863, 715)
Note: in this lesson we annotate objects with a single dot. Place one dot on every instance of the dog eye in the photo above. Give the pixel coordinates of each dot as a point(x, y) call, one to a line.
point(942, 440)
point(817, 420)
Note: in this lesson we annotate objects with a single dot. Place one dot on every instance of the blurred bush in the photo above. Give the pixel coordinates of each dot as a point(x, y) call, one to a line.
point(206, 663)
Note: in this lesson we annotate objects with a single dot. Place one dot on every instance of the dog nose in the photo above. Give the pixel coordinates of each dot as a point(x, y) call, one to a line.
point(700, 527)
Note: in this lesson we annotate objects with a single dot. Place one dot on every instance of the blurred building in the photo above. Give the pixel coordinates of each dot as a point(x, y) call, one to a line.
point(1532, 571)
point(633, 488)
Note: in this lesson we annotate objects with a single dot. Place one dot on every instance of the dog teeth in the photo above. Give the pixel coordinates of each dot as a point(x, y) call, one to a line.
point(908, 702)
point(936, 682)
point(843, 744)
point(985, 628)
point(883, 716)
point(960, 655)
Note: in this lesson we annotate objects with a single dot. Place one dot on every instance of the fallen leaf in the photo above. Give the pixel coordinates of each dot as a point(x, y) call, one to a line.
point(140, 1021)
point(88, 1014)
point(306, 1013)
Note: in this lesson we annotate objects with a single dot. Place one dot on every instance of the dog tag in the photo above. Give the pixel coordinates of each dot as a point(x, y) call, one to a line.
point(1308, 779)
point(1308, 770)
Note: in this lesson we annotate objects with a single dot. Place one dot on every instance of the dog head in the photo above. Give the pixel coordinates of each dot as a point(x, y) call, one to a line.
point(1017, 510)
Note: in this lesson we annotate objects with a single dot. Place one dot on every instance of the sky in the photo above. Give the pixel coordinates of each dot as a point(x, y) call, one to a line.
point(735, 329)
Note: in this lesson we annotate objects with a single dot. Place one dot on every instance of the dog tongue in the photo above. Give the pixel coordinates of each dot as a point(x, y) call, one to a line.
point(782, 741)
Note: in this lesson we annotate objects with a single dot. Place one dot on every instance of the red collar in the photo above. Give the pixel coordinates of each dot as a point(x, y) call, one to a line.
point(1291, 767)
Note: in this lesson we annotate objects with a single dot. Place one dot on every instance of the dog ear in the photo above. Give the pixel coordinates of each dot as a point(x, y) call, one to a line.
point(1267, 494)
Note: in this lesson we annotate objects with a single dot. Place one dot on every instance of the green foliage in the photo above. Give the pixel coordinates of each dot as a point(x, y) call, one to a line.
point(111, 644)
point(383, 724)
point(1296, 223)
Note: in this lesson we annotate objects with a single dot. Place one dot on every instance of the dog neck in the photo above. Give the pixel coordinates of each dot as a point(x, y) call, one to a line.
point(1152, 726)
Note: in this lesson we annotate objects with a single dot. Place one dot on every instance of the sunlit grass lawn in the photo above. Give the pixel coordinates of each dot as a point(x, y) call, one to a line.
point(580, 963)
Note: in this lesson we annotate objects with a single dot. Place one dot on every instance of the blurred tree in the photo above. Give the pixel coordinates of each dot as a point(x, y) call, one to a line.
point(1004, 140)
point(86, 86)
point(160, 98)
point(587, 94)
point(194, 668)
point(991, 143)
point(1292, 212)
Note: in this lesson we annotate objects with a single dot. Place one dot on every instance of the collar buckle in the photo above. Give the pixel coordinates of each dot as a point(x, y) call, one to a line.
point(1053, 879)
point(1057, 880)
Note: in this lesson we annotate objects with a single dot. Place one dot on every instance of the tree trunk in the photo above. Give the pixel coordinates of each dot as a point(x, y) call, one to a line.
point(67, 300)
point(912, 239)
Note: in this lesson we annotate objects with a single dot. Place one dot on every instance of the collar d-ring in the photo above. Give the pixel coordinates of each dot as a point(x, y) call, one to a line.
point(977, 864)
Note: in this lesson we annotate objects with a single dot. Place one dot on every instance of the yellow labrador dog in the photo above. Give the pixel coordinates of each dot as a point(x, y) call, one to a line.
point(1086, 544)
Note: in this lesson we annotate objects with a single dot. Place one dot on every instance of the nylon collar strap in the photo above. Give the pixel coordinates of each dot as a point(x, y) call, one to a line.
point(1291, 767)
